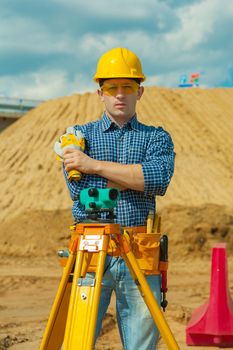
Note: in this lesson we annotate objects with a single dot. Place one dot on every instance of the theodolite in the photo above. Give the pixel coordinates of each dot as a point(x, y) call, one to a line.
point(72, 321)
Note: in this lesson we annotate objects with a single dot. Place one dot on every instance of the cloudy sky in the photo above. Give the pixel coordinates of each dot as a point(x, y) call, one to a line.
point(49, 48)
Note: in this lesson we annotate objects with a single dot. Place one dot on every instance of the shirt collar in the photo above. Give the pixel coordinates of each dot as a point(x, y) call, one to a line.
point(107, 123)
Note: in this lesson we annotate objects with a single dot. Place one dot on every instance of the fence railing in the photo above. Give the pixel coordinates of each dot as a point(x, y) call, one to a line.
point(16, 106)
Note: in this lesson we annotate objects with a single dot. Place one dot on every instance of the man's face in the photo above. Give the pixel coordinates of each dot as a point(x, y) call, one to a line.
point(120, 97)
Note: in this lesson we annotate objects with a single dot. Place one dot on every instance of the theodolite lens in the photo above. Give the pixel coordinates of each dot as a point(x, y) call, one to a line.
point(93, 192)
point(92, 205)
point(113, 194)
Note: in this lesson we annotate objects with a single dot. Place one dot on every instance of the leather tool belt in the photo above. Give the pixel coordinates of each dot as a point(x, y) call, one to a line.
point(145, 247)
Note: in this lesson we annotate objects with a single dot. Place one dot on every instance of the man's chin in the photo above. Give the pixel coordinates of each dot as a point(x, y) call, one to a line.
point(121, 112)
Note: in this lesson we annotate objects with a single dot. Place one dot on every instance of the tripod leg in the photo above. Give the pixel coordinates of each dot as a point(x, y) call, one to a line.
point(77, 272)
point(83, 308)
point(150, 300)
point(54, 331)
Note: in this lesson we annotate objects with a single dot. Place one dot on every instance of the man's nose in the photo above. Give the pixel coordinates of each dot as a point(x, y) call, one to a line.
point(120, 91)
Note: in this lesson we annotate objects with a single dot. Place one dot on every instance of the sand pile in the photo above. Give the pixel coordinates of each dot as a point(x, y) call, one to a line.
point(35, 206)
point(200, 122)
point(191, 230)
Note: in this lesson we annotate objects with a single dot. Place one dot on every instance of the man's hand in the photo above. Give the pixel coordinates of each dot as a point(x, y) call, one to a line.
point(75, 159)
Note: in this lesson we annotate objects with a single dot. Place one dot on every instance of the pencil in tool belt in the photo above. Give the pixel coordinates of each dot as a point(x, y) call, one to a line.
point(149, 222)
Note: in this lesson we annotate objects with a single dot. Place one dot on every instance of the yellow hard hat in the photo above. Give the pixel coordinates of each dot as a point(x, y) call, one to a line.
point(119, 63)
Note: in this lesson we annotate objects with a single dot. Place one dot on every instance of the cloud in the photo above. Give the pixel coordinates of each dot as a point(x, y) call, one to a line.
point(27, 35)
point(61, 40)
point(44, 84)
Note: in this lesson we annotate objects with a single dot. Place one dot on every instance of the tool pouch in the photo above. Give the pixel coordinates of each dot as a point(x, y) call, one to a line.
point(146, 249)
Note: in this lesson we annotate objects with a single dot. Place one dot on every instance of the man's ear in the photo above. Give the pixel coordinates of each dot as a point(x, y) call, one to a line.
point(140, 92)
point(100, 94)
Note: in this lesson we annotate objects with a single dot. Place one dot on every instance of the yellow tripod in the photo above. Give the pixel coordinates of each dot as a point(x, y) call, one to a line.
point(72, 321)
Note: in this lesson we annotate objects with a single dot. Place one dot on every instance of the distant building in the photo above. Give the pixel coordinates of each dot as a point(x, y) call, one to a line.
point(193, 80)
point(11, 109)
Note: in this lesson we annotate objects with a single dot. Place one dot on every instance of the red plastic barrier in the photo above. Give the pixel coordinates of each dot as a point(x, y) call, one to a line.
point(212, 323)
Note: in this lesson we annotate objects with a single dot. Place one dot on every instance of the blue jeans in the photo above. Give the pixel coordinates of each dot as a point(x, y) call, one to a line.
point(136, 326)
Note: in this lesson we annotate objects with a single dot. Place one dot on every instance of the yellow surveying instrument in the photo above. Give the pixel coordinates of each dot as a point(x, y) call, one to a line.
point(73, 317)
point(73, 139)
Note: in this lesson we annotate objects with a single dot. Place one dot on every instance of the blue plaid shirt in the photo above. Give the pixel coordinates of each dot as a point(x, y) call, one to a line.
point(134, 143)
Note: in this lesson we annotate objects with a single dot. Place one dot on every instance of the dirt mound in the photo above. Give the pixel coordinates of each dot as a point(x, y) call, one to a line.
point(35, 209)
point(192, 231)
point(199, 120)
point(35, 233)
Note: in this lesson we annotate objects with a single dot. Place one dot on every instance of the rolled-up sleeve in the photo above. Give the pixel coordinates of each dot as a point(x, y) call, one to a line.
point(158, 166)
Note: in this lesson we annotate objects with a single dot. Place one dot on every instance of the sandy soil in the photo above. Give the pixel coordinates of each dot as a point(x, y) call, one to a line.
point(35, 207)
point(30, 272)
point(29, 288)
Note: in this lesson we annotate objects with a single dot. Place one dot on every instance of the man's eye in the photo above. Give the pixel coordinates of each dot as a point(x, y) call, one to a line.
point(110, 89)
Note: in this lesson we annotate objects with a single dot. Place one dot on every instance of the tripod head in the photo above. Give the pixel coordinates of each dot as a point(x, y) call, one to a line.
point(98, 200)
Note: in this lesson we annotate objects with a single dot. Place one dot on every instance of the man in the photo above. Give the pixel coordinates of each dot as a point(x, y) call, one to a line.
point(139, 160)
